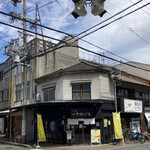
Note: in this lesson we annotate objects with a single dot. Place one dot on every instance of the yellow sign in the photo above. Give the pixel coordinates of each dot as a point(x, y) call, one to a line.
point(117, 125)
point(105, 122)
point(41, 133)
point(95, 136)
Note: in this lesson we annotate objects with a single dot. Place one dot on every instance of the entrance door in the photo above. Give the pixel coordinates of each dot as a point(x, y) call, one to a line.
point(81, 134)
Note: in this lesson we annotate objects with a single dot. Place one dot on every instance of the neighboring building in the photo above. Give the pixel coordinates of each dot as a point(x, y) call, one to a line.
point(5, 79)
point(41, 60)
point(133, 93)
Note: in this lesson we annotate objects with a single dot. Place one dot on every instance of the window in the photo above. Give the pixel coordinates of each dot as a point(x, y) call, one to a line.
point(28, 90)
point(1, 96)
point(28, 61)
point(141, 95)
point(49, 94)
point(7, 74)
point(19, 92)
point(123, 93)
point(19, 69)
point(6, 95)
point(81, 91)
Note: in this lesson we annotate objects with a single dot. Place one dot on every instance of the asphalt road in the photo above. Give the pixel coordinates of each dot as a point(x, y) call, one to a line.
point(145, 146)
point(11, 147)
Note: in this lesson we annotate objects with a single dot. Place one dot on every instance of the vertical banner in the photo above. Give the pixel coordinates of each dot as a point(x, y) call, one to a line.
point(117, 125)
point(41, 133)
point(95, 136)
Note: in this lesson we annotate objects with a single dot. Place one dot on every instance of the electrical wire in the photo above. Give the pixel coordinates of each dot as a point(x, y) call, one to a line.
point(42, 6)
point(113, 21)
point(142, 9)
point(23, 19)
point(46, 37)
point(118, 13)
point(139, 36)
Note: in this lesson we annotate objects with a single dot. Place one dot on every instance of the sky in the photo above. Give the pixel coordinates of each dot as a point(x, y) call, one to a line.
point(128, 37)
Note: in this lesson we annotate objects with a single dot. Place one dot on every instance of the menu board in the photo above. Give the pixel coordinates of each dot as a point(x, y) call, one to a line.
point(95, 136)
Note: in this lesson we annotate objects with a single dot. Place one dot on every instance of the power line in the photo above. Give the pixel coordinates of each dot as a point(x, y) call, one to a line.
point(104, 49)
point(42, 6)
point(110, 17)
point(23, 19)
point(45, 36)
point(142, 9)
point(113, 21)
point(139, 36)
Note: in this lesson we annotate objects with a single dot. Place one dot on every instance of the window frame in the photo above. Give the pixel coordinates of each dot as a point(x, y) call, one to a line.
point(81, 91)
point(19, 90)
point(47, 90)
point(19, 69)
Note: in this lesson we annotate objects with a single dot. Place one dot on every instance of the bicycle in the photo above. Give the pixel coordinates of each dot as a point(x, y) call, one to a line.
point(134, 137)
point(146, 135)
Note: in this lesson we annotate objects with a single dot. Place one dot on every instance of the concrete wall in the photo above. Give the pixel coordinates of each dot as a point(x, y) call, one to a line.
point(101, 86)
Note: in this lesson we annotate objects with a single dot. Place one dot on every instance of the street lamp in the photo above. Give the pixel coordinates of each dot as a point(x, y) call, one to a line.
point(11, 100)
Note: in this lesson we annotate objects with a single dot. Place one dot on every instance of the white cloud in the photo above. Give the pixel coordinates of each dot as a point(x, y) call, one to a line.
point(116, 37)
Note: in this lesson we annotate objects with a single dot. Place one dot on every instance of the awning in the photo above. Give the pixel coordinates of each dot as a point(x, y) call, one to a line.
point(6, 112)
point(147, 115)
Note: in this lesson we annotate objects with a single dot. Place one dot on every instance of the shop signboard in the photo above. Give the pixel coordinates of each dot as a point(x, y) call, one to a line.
point(132, 106)
point(69, 135)
point(81, 113)
point(95, 136)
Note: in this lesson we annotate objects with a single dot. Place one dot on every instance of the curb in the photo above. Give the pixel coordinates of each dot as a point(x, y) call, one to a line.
point(17, 144)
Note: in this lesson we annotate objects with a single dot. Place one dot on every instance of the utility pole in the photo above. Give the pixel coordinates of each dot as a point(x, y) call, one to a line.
point(24, 76)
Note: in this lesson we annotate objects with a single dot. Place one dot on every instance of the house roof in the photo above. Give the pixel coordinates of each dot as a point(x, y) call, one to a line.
point(132, 73)
point(81, 67)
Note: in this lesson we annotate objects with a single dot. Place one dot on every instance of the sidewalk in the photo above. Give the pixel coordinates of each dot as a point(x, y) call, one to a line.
point(89, 147)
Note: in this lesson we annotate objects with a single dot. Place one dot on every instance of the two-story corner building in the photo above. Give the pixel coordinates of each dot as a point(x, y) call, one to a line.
point(133, 94)
point(5, 81)
point(78, 99)
point(41, 60)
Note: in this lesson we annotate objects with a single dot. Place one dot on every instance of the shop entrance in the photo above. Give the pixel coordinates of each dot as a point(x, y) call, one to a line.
point(81, 130)
point(81, 133)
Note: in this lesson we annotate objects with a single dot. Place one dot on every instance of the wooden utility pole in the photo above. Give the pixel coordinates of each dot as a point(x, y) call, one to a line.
point(24, 76)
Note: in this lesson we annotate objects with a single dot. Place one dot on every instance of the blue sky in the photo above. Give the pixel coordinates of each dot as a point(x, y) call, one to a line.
point(128, 37)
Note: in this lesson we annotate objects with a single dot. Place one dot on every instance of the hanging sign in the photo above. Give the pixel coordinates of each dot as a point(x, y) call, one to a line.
point(41, 133)
point(117, 125)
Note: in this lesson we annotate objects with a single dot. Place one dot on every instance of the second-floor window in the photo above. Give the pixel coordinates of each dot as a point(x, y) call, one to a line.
point(7, 74)
point(81, 91)
point(19, 69)
point(28, 90)
point(49, 94)
point(6, 95)
point(19, 92)
point(122, 93)
point(141, 95)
